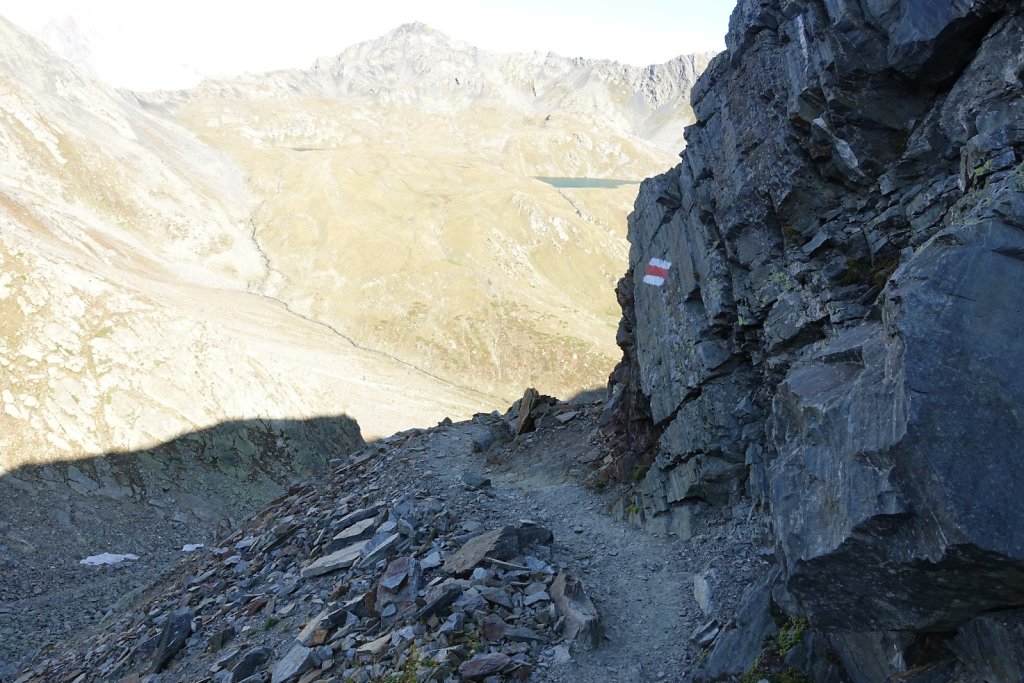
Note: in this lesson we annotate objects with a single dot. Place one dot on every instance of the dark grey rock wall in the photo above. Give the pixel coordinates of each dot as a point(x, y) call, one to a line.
point(840, 338)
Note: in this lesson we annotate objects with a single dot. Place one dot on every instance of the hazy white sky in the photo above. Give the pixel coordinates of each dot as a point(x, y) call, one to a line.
point(149, 45)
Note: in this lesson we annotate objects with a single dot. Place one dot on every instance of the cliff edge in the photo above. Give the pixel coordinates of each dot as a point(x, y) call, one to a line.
point(822, 324)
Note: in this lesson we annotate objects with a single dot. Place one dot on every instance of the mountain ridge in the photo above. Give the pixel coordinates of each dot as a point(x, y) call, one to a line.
point(467, 74)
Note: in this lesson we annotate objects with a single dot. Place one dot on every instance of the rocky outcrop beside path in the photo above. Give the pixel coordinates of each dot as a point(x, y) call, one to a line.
point(837, 336)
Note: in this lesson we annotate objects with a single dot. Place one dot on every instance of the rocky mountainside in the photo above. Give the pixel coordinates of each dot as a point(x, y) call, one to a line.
point(818, 403)
point(455, 553)
point(836, 337)
point(479, 197)
point(187, 329)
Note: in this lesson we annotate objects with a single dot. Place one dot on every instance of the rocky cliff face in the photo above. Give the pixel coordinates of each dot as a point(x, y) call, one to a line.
point(837, 339)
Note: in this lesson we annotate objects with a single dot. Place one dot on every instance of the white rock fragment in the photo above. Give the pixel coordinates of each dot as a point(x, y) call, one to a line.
point(107, 558)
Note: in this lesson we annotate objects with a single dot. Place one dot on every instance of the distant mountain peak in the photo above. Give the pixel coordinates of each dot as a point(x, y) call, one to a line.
point(69, 40)
point(414, 27)
point(417, 32)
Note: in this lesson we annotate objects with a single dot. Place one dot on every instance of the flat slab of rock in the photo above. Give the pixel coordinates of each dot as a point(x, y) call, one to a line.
point(481, 666)
point(582, 622)
point(706, 634)
point(383, 550)
point(501, 544)
point(358, 516)
point(524, 423)
point(375, 647)
point(341, 559)
point(358, 531)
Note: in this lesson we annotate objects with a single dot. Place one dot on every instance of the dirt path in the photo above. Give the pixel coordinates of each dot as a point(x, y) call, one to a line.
point(641, 583)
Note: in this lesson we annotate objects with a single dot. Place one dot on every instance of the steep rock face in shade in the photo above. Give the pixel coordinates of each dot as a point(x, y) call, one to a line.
point(838, 339)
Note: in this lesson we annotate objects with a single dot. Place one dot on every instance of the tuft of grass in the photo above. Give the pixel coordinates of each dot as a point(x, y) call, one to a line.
point(409, 673)
point(769, 665)
point(790, 635)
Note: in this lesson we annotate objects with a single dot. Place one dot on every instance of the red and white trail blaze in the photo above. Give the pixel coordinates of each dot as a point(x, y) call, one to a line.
point(656, 272)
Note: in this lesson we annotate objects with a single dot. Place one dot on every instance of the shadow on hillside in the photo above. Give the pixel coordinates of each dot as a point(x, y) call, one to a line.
point(589, 396)
point(148, 502)
point(272, 447)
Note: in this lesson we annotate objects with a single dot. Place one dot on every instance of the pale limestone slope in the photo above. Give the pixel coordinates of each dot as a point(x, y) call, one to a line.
point(125, 260)
point(398, 198)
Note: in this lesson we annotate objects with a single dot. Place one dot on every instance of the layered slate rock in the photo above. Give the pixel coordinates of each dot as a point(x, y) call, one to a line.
point(838, 334)
point(422, 597)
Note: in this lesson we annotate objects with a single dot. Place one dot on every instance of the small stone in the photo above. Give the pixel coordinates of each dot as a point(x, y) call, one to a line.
point(560, 655)
point(298, 661)
point(322, 654)
point(706, 634)
point(431, 561)
point(248, 663)
point(453, 624)
point(220, 638)
point(362, 606)
point(534, 598)
point(246, 543)
point(357, 516)
point(496, 596)
point(702, 591)
point(493, 628)
point(317, 627)
point(381, 551)
point(359, 531)
point(79, 481)
point(440, 599)
point(475, 481)
point(375, 647)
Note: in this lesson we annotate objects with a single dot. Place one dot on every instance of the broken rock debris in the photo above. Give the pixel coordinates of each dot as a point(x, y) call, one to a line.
point(365, 576)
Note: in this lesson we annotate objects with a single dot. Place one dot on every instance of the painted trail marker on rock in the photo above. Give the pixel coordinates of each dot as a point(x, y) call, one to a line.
point(656, 272)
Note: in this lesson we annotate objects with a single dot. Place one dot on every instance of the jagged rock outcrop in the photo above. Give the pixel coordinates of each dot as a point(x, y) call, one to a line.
point(837, 336)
